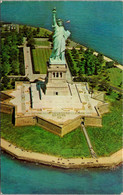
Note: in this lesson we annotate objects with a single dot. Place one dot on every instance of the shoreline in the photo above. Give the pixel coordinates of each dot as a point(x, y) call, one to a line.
point(60, 162)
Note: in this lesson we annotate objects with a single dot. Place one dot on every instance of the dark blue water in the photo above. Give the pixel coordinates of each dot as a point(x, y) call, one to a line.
point(26, 178)
point(95, 24)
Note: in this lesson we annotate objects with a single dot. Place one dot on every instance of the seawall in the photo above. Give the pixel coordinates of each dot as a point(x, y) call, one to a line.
point(104, 162)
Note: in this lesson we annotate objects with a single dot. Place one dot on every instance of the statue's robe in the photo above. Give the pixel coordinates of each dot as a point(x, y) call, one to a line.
point(59, 37)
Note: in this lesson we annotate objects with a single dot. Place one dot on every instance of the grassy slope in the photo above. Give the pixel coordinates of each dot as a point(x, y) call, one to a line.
point(36, 139)
point(115, 75)
point(108, 139)
point(40, 57)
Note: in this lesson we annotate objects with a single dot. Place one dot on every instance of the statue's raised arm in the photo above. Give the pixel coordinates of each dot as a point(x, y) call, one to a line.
point(54, 17)
point(60, 35)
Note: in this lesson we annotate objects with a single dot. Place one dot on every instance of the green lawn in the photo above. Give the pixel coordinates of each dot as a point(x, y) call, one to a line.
point(115, 75)
point(112, 97)
point(36, 139)
point(42, 43)
point(108, 139)
point(40, 58)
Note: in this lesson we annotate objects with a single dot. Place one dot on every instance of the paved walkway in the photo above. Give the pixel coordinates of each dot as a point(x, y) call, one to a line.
point(89, 142)
point(16, 76)
point(28, 62)
point(119, 66)
point(21, 154)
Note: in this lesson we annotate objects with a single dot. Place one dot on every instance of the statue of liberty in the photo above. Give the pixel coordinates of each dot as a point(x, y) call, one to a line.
point(60, 35)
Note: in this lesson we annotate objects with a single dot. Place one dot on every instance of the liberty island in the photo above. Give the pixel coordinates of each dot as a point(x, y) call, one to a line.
point(56, 103)
point(65, 104)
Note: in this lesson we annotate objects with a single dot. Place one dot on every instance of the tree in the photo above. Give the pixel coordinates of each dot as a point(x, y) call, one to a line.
point(8, 40)
point(88, 51)
point(14, 37)
point(120, 96)
point(81, 70)
point(79, 64)
point(110, 64)
point(103, 86)
point(81, 49)
point(6, 68)
point(15, 66)
point(51, 37)
point(77, 56)
point(109, 90)
point(20, 39)
point(5, 81)
point(25, 30)
point(74, 72)
point(46, 34)
point(5, 56)
point(98, 67)
point(73, 51)
point(94, 82)
point(100, 58)
point(14, 52)
point(38, 30)
point(31, 43)
point(30, 35)
point(34, 32)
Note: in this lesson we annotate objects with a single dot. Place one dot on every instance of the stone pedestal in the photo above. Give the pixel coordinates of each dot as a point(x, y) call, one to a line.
point(57, 84)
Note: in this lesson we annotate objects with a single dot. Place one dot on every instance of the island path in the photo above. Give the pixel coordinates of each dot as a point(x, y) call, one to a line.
point(111, 161)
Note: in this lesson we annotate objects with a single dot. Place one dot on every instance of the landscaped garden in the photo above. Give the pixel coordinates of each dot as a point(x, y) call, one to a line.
point(34, 138)
point(40, 56)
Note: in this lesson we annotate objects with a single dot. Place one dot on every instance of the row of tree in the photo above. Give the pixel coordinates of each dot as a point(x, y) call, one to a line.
point(10, 57)
point(86, 62)
point(35, 32)
point(10, 54)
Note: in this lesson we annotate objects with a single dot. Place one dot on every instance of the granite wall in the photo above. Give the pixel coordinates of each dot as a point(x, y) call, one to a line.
point(6, 108)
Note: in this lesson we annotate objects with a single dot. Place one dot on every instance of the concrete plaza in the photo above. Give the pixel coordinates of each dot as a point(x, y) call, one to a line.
point(57, 108)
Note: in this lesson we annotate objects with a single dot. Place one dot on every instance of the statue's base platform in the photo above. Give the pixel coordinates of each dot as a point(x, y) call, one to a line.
point(59, 114)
